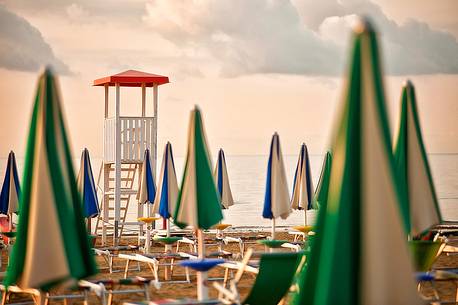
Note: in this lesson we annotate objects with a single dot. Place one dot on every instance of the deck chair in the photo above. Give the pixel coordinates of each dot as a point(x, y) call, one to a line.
point(38, 297)
point(274, 278)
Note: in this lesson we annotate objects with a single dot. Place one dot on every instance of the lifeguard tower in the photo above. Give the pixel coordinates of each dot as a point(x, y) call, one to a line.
point(125, 140)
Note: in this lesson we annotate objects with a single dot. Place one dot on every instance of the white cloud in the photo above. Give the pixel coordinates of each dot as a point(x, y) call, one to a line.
point(22, 46)
point(76, 11)
point(295, 37)
point(243, 37)
point(409, 48)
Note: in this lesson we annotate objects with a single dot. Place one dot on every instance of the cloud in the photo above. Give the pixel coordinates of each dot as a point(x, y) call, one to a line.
point(409, 48)
point(22, 46)
point(306, 37)
point(244, 37)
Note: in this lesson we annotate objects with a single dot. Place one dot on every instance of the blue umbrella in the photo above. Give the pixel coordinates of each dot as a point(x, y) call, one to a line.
point(147, 190)
point(222, 181)
point(9, 196)
point(167, 190)
point(276, 201)
point(303, 186)
point(86, 187)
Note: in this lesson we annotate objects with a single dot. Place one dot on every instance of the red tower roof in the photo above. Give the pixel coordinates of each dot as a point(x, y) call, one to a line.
point(132, 78)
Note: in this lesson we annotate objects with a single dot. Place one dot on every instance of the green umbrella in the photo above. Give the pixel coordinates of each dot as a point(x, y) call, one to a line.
point(321, 192)
point(420, 210)
point(360, 255)
point(198, 199)
point(198, 203)
point(52, 243)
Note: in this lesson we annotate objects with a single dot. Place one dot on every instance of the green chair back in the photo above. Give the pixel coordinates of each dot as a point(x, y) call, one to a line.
point(276, 272)
point(424, 253)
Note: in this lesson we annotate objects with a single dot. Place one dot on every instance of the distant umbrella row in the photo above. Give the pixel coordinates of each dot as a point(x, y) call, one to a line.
point(165, 196)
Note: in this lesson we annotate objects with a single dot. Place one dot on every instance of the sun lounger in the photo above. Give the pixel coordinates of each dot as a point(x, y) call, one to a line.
point(154, 261)
point(40, 297)
point(109, 253)
point(176, 302)
point(274, 278)
point(448, 275)
point(112, 287)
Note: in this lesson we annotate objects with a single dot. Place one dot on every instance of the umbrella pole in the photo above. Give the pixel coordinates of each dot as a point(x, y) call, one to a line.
point(89, 227)
point(168, 248)
point(168, 227)
point(10, 224)
point(273, 234)
point(273, 229)
point(148, 229)
point(305, 216)
point(202, 289)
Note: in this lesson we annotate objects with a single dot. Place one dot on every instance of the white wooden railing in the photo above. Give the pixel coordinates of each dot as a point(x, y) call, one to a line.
point(137, 134)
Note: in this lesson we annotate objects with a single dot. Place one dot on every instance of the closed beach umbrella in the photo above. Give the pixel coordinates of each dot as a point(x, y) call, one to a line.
point(52, 243)
point(360, 255)
point(197, 198)
point(276, 200)
point(147, 189)
point(9, 196)
point(302, 198)
point(321, 192)
point(222, 181)
point(167, 190)
point(86, 187)
point(147, 192)
point(198, 203)
point(421, 209)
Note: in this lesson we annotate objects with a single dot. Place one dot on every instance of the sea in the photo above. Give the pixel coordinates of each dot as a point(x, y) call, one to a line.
point(247, 175)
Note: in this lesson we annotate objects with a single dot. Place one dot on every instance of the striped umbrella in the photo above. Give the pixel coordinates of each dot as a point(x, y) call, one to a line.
point(360, 255)
point(421, 209)
point(52, 243)
point(11, 192)
point(321, 192)
point(276, 200)
point(302, 198)
point(147, 188)
point(147, 192)
point(167, 191)
point(222, 181)
point(198, 203)
point(87, 189)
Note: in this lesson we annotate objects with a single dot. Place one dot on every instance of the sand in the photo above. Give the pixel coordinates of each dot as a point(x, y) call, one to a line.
point(447, 290)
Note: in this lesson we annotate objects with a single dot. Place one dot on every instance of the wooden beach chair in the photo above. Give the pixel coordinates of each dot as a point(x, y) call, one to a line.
point(80, 292)
point(155, 261)
point(274, 278)
point(110, 253)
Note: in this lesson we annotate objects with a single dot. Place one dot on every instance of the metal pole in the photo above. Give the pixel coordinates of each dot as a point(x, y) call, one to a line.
point(143, 100)
point(154, 148)
point(154, 135)
point(106, 174)
point(202, 289)
point(117, 190)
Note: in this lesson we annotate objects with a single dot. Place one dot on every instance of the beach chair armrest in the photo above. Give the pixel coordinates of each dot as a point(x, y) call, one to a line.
point(294, 247)
point(229, 297)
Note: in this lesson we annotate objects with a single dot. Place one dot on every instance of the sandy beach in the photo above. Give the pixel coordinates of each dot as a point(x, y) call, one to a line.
point(446, 289)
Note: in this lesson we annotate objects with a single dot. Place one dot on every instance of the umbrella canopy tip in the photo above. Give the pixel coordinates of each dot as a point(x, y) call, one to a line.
point(48, 70)
point(407, 84)
point(363, 25)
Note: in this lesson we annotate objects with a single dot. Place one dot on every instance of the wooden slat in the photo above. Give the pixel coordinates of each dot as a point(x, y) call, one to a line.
point(124, 131)
point(148, 133)
point(142, 136)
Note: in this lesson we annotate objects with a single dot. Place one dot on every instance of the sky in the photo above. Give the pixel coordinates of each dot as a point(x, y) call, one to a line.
point(253, 67)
